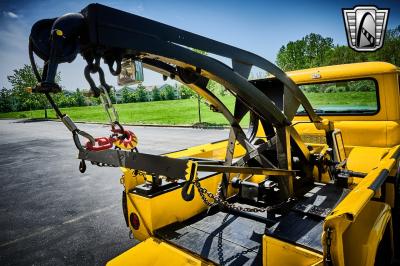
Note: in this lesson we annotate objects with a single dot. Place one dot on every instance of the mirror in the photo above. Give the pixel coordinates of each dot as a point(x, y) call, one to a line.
point(131, 72)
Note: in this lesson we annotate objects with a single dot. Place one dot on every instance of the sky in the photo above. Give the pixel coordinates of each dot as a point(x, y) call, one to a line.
point(261, 27)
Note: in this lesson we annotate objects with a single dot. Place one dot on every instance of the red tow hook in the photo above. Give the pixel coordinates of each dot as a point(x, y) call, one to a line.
point(102, 143)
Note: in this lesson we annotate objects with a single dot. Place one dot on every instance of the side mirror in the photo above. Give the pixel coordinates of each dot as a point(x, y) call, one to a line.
point(131, 72)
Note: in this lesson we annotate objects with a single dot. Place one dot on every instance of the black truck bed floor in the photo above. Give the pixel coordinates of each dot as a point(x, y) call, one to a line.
point(303, 225)
point(230, 239)
point(223, 238)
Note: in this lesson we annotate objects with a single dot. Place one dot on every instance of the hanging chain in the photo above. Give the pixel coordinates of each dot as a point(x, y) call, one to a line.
point(103, 91)
point(204, 193)
point(107, 104)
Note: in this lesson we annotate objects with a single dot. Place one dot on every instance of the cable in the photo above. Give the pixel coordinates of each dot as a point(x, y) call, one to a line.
point(33, 63)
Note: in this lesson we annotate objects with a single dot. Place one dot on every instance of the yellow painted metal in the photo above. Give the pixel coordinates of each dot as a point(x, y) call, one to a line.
point(166, 208)
point(277, 253)
point(154, 252)
point(357, 222)
point(344, 71)
point(380, 133)
point(125, 145)
point(355, 238)
point(364, 159)
point(383, 126)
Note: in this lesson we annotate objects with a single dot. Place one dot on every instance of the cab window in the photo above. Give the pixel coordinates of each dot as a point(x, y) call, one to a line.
point(342, 97)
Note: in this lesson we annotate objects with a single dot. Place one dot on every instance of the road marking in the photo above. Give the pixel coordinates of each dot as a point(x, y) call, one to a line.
point(50, 228)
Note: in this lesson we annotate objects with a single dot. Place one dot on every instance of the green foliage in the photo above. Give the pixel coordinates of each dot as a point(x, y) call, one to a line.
point(79, 99)
point(20, 80)
point(6, 101)
point(65, 99)
point(216, 88)
point(18, 97)
point(314, 50)
point(168, 93)
point(185, 92)
point(390, 51)
point(344, 86)
point(127, 95)
point(140, 94)
point(310, 51)
point(184, 111)
point(155, 94)
point(112, 95)
point(199, 51)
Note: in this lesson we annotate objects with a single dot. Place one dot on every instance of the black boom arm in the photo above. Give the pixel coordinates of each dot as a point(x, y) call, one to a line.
point(100, 32)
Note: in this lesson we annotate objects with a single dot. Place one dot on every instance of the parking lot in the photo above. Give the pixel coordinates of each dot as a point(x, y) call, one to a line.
point(50, 213)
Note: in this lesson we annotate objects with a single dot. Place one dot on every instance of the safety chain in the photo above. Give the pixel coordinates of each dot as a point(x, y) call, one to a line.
point(328, 242)
point(225, 204)
point(102, 164)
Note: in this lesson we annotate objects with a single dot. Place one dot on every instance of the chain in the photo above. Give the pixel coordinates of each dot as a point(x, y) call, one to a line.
point(204, 193)
point(103, 164)
point(328, 242)
point(107, 104)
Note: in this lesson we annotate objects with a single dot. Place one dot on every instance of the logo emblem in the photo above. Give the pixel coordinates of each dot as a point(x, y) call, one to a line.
point(365, 27)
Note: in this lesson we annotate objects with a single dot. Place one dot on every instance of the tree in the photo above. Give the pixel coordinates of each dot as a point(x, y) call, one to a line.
point(341, 54)
point(6, 101)
point(155, 94)
point(390, 52)
point(216, 88)
point(311, 51)
point(291, 56)
point(140, 93)
point(20, 80)
point(127, 95)
point(316, 49)
point(168, 93)
point(186, 92)
point(112, 96)
point(65, 99)
point(79, 98)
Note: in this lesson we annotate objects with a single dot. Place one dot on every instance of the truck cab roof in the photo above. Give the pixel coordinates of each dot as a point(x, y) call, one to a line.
point(344, 71)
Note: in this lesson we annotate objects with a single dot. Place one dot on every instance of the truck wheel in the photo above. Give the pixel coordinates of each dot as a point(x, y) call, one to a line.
point(383, 253)
point(396, 216)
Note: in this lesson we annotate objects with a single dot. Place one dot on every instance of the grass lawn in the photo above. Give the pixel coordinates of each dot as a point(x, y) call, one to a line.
point(184, 112)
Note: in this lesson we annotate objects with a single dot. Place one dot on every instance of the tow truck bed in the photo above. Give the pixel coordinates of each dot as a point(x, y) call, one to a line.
point(232, 239)
point(221, 237)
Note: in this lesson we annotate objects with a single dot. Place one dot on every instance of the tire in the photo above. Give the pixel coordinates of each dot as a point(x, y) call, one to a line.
point(396, 217)
point(383, 253)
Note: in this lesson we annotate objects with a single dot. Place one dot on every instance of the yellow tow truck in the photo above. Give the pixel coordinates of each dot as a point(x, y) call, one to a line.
point(362, 223)
point(309, 183)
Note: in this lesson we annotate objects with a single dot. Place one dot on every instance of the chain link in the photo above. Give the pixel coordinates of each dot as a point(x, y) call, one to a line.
point(204, 193)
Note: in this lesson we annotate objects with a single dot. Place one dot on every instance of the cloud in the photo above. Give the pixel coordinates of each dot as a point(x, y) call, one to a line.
point(140, 8)
point(10, 14)
point(13, 47)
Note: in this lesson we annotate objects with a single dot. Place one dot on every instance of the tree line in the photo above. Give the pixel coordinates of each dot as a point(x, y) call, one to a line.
point(18, 98)
point(314, 50)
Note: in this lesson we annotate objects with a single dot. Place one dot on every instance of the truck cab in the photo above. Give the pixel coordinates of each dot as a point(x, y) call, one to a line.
point(370, 113)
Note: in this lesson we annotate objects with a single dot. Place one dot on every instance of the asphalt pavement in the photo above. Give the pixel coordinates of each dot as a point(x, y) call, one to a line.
point(50, 213)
